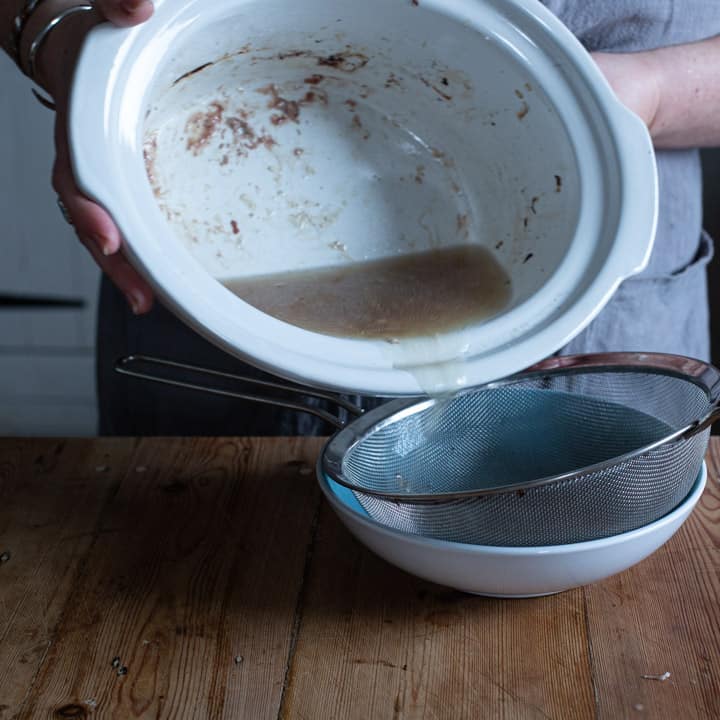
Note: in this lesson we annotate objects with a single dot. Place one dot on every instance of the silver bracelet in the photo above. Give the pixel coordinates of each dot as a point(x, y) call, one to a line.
point(18, 26)
point(45, 31)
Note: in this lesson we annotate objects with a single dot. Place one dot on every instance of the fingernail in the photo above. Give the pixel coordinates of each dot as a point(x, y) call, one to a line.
point(135, 300)
point(103, 244)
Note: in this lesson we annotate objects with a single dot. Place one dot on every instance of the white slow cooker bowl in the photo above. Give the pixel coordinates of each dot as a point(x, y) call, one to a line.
point(281, 136)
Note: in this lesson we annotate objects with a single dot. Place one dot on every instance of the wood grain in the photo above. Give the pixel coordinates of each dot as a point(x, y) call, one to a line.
point(662, 616)
point(377, 643)
point(51, 497)
point(191, 582)
point(213, 573)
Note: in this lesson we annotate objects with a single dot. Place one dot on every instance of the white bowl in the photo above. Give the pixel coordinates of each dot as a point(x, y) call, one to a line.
point(414, 127)
point(508, 571)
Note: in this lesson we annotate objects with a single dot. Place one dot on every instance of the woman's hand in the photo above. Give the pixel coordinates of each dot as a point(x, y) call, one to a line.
point(93, 225)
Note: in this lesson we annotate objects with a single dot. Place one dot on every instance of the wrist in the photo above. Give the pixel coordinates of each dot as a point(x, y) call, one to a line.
point(635, 78)
point(651, 67)
point(55, 58)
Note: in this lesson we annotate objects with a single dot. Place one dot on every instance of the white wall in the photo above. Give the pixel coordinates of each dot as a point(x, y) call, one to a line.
point(47, 384)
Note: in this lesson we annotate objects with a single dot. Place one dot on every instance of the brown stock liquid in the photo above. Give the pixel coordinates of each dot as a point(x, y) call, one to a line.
point(391, 298)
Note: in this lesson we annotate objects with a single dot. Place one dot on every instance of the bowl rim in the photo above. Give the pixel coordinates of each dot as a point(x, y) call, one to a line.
point(341, 363)
point(331, 489)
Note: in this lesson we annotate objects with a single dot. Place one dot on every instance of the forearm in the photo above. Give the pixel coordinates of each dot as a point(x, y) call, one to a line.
point(688, 113)
point(56, 57)
point(675, 90)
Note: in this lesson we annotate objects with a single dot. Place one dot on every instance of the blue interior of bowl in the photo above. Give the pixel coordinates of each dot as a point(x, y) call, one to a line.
point(346, 497)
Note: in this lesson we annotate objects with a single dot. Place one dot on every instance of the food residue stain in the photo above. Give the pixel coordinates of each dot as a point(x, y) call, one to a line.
point(150, 148)
point(442, 157)
point(339, 246)
point(201, 126)
point(289, 110)
point(357, 124)
point(193, 72)
point(244, 136)
point(345, 61)
point(392, 81)
point(442, 94)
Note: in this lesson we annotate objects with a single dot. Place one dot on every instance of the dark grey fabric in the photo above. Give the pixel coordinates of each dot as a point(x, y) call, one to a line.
point(665, 309)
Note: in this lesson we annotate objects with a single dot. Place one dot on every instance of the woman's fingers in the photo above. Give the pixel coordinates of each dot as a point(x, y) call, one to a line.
point(94, 226)
point(124, 277)
point(125, 12)
point(96, 229)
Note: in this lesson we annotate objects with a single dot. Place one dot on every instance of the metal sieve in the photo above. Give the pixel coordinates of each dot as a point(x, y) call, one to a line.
point(577, 448)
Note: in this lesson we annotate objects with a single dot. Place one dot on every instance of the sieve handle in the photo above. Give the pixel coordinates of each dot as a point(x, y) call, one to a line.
point(712, 417)
point(154, 369)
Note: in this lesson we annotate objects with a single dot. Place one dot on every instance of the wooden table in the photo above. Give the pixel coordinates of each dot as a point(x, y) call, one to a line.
point(206, 578)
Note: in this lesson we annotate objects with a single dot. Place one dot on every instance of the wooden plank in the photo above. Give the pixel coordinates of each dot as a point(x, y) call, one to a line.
point(662, 617)
point(181, 556)
point(51, 497)
point(192, 583)
point(377, 643)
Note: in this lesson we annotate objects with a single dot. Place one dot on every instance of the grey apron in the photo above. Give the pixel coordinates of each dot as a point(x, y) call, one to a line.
point(665, 309)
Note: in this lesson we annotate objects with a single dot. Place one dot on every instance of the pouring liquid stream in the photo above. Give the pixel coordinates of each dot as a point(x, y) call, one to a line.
point(407, 301)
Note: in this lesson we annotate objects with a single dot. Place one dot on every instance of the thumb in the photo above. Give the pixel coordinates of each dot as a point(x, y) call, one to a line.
point(125, 12)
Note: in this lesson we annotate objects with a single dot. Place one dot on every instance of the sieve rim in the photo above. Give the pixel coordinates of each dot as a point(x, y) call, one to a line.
point(687, 504)
point(702, 374)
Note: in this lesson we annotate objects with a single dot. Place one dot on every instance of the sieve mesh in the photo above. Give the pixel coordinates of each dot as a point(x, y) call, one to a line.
point(504, 438)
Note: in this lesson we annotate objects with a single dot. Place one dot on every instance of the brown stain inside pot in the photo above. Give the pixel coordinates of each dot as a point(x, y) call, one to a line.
point(201, 126)
point(244, 136)
point(289, 110)
point(392, 298)
point(346, 61)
